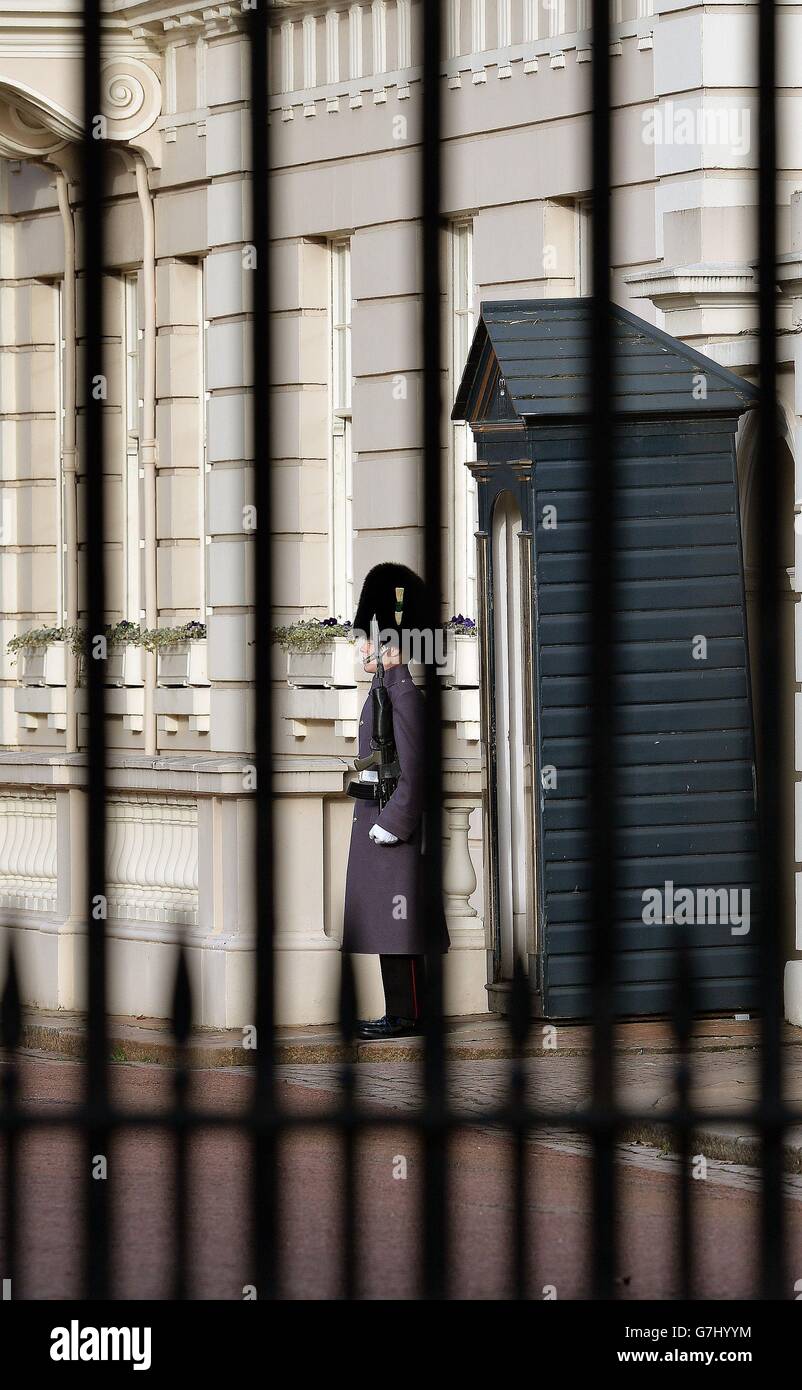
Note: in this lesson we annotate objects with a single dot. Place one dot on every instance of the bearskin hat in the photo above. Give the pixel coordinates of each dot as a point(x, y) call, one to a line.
point(400, 601)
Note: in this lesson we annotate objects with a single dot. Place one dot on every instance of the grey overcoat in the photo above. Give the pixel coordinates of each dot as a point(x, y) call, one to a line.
point(383, 914)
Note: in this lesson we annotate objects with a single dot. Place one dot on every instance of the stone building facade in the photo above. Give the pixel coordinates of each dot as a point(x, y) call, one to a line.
point(345, 108)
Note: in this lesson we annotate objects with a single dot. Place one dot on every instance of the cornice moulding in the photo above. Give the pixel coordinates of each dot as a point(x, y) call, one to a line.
point(789, 272)
point(163, 22)
point(677, 286)
point(61, 23)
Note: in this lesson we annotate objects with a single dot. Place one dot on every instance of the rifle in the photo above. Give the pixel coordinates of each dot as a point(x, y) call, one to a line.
point(383, 755)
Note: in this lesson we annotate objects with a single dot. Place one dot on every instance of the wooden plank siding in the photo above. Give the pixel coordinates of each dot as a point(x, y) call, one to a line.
point(684, 742)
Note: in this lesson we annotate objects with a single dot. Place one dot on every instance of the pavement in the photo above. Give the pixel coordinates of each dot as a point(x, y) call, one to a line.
point(388, 1220)
point(472, 1038)
point(723, 1060)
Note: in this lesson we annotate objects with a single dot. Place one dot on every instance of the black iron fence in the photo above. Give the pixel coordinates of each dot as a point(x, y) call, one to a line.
point(98, 1119)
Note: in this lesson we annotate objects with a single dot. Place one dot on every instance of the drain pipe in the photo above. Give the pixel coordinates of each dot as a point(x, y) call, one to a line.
point(69, 457)
point(148, 445)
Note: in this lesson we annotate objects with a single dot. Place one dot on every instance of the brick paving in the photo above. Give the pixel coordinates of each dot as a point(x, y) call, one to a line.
point(474, 1037)
point(724, 1081)
point(388, 1226)
point(723, 1063)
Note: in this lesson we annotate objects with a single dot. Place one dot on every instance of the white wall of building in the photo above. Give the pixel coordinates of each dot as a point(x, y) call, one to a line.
point(345, 113)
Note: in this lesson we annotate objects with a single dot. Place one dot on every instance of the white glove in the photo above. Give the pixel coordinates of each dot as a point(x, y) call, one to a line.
point(382, 837)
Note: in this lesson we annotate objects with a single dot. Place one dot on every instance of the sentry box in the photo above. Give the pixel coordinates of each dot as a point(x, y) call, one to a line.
point(684, 752)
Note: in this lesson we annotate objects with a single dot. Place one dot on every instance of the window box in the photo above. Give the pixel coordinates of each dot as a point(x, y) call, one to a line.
point(125, 665)
point(45, 665)
point(33, 665)
point(461, 666)
point(183, 664)
point(332, 667)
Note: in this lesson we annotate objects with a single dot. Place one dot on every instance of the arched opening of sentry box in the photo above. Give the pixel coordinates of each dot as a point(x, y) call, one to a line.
point(686, 832)
point(510, 782)
point(785, 605)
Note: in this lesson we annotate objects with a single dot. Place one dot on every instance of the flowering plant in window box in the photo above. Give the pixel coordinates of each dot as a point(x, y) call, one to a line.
point(43, 653)
point(461, 626)
point(461, 665)
point(181, 652)
point(123, 653)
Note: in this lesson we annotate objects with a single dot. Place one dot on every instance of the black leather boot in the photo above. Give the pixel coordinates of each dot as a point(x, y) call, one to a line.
point(390, 1026)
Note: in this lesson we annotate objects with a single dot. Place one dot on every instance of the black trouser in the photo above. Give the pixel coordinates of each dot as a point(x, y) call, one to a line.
point(404, 980)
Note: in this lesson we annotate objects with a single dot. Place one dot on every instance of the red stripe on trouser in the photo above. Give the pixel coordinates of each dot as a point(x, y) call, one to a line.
point(414, 990)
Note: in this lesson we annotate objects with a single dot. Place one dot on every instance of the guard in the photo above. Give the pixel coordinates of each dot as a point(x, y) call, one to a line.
point(383, 905)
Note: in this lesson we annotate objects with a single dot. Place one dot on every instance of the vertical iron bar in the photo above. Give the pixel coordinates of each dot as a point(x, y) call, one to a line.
point(348, 1126)
point(434, 1054)
point(182, 1023)
point(519, 1023)
point(773, 899)
point(265, 1194)
point(602, 762)
point(181, 1236)
point(348, 1122)
point(10, 1031)
point(683, 1018)
point(93, 172)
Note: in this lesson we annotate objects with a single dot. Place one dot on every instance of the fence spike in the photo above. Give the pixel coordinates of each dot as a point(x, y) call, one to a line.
point(10, 1009)
point(182, 999)
point(347, 999)
point(520, 1019)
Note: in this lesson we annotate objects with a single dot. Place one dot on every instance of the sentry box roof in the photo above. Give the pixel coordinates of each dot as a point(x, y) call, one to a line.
point(542, 351)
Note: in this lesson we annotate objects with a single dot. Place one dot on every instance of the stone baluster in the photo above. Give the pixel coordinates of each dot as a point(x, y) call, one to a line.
point(459, 877)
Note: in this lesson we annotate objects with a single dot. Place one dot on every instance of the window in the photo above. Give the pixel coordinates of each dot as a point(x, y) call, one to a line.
point(61, 499)
point(584, 246)
point(556, 13)
point(478, 25)
point(465, 496)
point(204, 466)
point(131, 481)
point(454, 22)
point(341, 490)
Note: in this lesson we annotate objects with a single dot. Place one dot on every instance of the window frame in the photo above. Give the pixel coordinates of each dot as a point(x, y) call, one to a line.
point(341, 462)
point(462, 314)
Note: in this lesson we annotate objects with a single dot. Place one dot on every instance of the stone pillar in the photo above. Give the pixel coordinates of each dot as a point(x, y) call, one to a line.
point(29, 467)
point(312, 836)
point(181, 481)
point(792, 284)
point(229, 385)
point(793, 967)
point(70, 990)
point(387, 395)
point(223, 966)
point(300, 384)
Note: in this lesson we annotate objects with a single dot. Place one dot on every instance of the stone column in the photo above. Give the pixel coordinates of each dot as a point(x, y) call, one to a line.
point(791, 280)
point(223, 964)
point(72, 897)
point(229, 430)
point(313, 827)
point(29, 472)
point(793, 967)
